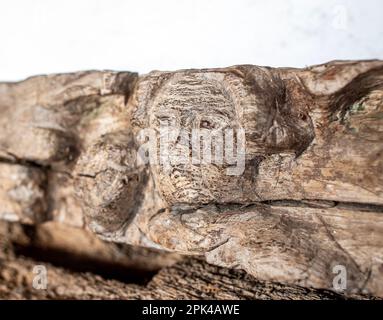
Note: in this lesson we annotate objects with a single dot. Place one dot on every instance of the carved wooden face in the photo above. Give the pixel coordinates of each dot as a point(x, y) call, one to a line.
point(213, 101)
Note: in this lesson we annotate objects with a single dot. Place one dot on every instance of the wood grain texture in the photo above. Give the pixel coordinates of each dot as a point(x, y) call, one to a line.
point(191, 279)
point(310, 196)
point(84, 267)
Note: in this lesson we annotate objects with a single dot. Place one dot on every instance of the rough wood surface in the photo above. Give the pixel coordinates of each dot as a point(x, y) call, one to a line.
point(191, 279)
point(81, 266)
point(310, 197)
point(81, 250)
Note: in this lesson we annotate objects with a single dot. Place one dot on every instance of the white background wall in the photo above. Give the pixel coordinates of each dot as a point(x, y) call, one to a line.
point(45, 36)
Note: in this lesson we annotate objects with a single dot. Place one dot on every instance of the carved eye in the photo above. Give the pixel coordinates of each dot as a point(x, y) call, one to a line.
point(205, 124)
point(164, 119)
point(302, 116)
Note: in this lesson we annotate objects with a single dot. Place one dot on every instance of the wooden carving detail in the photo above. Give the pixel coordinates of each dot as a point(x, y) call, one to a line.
point(308, 198)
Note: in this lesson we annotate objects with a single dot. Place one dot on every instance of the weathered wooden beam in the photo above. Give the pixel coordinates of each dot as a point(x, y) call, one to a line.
point(310, 196)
